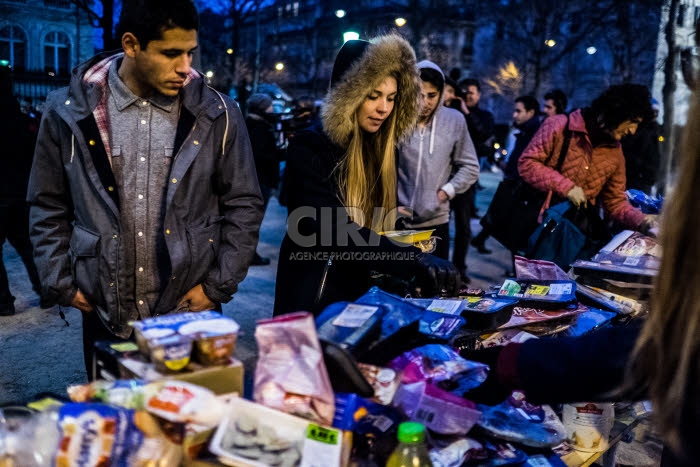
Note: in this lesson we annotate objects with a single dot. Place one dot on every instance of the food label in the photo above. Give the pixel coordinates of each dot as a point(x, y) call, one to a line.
point(324, 435)
point(449, 307)
point(322, 447)
point(588, 425)
point(354, 316)
point(538, 290)
point(560, 289)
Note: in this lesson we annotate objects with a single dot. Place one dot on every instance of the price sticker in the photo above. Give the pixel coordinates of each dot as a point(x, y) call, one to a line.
point(538, 290)
point(323, 435)
point(354, 316)
point(322, 447)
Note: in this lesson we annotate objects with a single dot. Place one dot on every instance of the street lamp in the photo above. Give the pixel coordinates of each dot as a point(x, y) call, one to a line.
point(400, 21)
point(350, 36)
point(229, 51)
point(209, 74)
point(591, 50)
point(340, 13)
point(550, 42)
point(279, 66)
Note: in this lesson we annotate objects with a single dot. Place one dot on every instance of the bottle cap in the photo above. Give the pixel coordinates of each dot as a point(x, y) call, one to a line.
point(411, 432)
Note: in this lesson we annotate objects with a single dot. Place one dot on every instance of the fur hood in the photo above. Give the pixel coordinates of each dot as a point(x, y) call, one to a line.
point(390, 54)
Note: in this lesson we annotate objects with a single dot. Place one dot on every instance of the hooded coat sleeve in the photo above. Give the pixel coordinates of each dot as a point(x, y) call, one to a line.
point(51, 213)
point(241, 205)
point(532, 164)
point(465, 160)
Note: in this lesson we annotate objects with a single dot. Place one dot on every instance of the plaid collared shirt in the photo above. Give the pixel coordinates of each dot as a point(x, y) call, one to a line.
point(98, 75)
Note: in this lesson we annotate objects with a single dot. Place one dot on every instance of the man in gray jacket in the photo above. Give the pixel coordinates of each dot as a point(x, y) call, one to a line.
point(436, 162)
point(144, 198)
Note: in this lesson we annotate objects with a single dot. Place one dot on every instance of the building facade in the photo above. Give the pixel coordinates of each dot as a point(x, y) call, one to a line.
point(42, 40)
point(294, 42)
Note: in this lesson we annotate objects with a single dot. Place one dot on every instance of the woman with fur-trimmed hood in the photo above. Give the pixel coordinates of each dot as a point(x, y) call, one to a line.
point(341, 184)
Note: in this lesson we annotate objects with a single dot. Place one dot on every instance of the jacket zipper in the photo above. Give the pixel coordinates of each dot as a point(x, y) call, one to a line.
point(116, 279)
point(322, 285)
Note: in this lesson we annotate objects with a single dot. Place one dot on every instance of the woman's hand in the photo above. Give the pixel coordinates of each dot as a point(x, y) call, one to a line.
point(577, 197)
point(437, 276)
point(650, 225)
point(442, 196)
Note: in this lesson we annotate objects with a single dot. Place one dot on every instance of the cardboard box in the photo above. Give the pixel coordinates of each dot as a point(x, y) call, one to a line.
point(218, 379)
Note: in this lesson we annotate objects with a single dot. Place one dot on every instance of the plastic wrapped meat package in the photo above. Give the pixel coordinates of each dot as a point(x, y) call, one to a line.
point(441, 366)
point(516, 420)
point(290, 374)
point(439, 410)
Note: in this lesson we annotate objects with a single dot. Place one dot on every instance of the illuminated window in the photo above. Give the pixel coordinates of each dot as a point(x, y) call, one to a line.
point(57, 53)
point(13, 46)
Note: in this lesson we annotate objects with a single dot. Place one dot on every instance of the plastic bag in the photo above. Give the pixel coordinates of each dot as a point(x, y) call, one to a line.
point(439, 410)
point(538, 269)
point(103, 435)
point(291, 375)
point(441, 366)
point(648, 204)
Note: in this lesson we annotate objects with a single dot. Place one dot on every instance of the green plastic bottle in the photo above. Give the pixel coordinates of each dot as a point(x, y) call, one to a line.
point(411, 451)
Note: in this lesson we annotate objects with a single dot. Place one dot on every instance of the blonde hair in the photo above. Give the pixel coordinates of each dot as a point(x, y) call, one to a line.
point(666, 358)
point(368, 172)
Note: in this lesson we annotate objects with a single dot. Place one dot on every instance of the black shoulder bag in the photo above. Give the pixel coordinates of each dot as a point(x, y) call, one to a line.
point(513, 213)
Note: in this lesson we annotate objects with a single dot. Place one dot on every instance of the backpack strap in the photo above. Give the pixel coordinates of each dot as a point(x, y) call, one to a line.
point(564, 146)
point(560, 164)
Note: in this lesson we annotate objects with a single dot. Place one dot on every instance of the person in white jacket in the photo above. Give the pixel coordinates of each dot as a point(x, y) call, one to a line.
point(436, 162)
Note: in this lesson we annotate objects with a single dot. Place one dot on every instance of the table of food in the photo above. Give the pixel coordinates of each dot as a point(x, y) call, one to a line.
point(363, 383)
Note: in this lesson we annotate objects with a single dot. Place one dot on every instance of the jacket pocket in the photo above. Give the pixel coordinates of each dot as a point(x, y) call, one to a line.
point(204, 247)
point(85, 263)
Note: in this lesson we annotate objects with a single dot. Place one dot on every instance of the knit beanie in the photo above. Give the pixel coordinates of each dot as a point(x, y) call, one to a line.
point(258, 103)
point(347, 55)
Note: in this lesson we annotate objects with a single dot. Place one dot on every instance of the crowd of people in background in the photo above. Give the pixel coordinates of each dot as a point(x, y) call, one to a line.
point(393, 133)
point(143, 197)
point(454, 179)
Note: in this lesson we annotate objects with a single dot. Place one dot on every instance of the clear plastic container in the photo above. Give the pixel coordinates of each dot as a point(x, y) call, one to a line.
point(411, 451)
point(27, 438)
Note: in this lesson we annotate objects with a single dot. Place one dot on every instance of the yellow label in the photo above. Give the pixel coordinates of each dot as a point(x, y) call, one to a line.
point(324, 435)
point(176, 365)
point(125, 347)
point(43, 404)
point(537, 290)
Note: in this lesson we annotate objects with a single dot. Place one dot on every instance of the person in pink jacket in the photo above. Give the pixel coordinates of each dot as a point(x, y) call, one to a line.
point(594, 168)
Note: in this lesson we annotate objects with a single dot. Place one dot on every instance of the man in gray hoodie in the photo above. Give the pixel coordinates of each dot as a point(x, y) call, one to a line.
point(436, 162)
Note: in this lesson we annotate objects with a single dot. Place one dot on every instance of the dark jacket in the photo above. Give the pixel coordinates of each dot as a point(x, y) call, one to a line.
point(522, 139)
point(18, 136)
point(212, 211)
point(267, 155)
point(580, 369)
point(311, 181)
point(311, 178)
point(481, 129)
point(643, 157)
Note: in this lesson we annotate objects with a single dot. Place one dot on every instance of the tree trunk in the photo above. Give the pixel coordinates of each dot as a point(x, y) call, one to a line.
point(235, 45)
point(669, 87)
point(109, 41)
point(669, 90)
